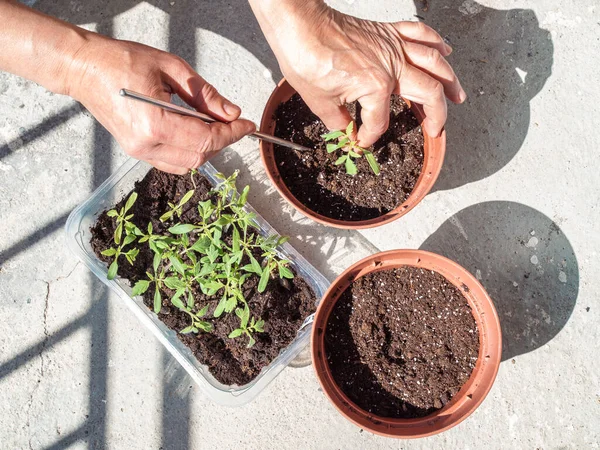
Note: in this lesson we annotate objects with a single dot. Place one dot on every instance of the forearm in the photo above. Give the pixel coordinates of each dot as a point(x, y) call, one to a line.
point(279, 19)
point(38, 47)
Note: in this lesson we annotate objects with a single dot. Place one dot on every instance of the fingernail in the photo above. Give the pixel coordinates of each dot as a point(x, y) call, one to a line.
point(448, 48)
point(231, 109)
point(462, 96)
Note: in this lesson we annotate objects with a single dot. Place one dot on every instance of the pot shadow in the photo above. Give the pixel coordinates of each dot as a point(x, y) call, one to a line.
point(232, 20)
point(503, 59)
point(525, 263)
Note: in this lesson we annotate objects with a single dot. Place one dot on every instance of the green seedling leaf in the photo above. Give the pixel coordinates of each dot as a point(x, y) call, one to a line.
point(130, 201)
point(188, 330)
point(331, 148)
point(341, 160)
point(285, 272)
point(342, 143)
point(282, 240)
point(140, 287)
point(118, 233)
point(166, 216)
point(201, 245)
point(186, 198)
point(128, 239)
point(112, 270)
point(109, 252)
point(332, 135)
point(204, 326)
point(182, 228)
point(244, 196)
point(177, 301)
point(235, 240)
point(230, 304)
point(202, 312)
point(244, 316)
point(235, 333)
point(372, 161)
point(220, 307)
point(264, 279)
point(350, 128)
point(190, 300)
point(157, 301)
point(178, 264)
point(112, 213)
point(259, 326)
point(251, 342)
point(156, 261)
point(174, 283)
point(351, 167)
point(353, 154)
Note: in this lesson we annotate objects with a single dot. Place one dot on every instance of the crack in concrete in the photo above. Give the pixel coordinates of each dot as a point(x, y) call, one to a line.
point(44, 343)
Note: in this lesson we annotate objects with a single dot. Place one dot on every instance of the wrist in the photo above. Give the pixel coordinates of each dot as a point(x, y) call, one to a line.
point(281, 18)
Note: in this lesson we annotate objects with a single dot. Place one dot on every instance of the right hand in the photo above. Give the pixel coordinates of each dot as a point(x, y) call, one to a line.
point(169, 141)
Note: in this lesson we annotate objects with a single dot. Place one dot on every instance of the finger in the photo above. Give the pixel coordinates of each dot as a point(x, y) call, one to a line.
point(375, 115)
point(335, 117)
point(422, 88)
point(175, 157)
point(225, 134)
point(420, 33)
point(431, 61)
point(169, 168)
point(197, 92)
point(191, 134)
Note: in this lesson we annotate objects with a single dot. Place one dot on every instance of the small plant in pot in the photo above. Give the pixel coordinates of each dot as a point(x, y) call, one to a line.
point(406, 343)
point(195, 255)
point(340, 184)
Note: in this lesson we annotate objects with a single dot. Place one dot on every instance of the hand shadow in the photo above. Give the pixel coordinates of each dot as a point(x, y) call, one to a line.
point(525, 263)
point(502, 58)
point(232, 20)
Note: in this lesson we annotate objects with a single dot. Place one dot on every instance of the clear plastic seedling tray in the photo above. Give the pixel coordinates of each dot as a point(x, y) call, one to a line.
point(78, 239)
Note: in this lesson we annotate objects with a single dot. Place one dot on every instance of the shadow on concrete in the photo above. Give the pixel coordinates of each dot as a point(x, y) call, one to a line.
point(41, 129)
point(231, 19)
point(503, 59)
point(525, 263)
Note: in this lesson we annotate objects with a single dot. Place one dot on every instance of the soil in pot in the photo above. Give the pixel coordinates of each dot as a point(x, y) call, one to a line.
point(315, 180)
point(283, 305)
point(401, 343)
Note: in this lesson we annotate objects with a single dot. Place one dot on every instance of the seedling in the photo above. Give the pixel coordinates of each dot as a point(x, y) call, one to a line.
point(247, 328)
point(216, 255)
point(351, 150)
point(177, 210)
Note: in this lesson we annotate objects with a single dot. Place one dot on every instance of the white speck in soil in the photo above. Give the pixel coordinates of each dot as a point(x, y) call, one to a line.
point(532, 232)
point(534, 259)
point(515, 284)
point(478, 274)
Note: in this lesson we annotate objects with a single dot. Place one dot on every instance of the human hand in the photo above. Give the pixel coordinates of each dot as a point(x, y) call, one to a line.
point(170, 142)
point(332, 59)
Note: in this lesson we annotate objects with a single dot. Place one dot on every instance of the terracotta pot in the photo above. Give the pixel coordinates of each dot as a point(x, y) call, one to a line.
point(472, 393)
point(434, 151)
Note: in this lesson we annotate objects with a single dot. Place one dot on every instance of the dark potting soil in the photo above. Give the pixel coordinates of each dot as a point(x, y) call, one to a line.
point(283, 305)
point(401, 343)
point(314, 179)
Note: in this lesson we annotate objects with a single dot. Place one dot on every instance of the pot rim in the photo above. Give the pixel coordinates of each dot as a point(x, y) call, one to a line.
point(472, 393)
point(433, 158)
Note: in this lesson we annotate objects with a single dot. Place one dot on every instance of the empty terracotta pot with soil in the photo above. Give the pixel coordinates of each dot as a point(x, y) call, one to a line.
point(406, 343)
point(409, 161)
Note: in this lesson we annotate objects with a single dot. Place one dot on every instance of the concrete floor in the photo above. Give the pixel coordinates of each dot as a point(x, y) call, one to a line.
point(517, 204)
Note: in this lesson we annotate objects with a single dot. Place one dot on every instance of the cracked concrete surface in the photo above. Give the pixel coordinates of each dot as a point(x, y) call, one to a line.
point(78, 371)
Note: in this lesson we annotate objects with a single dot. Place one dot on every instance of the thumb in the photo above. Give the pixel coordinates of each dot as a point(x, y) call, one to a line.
point(375, 115)
point(197, 92)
